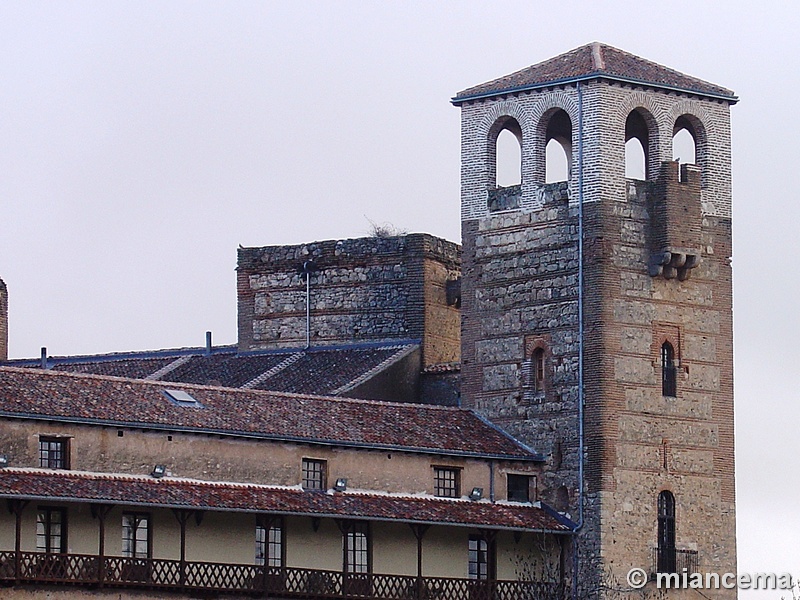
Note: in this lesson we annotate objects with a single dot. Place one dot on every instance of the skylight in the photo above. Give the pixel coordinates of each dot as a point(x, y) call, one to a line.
point(182, 398)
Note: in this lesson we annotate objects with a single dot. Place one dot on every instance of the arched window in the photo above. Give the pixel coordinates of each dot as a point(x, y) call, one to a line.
point(509, 159)
point(558, 147)
point(637, 142)
point(684, 142)
point(669, 372)
point(537, 370)
point(666, 562)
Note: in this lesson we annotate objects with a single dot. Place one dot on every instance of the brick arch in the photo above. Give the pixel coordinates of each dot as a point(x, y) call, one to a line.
point(548, 104)
point(493, 122)
point(654, 117)
point(695, 112)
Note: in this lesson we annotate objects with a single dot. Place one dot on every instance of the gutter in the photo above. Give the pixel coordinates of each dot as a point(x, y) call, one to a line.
point(324, 515)
point(457, 100)
point(533, 457)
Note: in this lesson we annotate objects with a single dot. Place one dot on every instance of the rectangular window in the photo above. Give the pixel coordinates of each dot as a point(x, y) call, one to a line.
point(53, 452)
point(446, 482)
point(519, 487)
point(136, 535)
point(356, 548)
point(478, 558)
point(314, 474)
point(269, 544)
point(51, 530)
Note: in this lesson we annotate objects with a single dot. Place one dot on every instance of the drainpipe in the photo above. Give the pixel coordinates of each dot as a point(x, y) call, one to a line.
point(579, 524)
point(308, 266)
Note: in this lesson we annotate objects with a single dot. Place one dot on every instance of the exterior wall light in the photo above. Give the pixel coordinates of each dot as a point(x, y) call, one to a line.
point(340, 485)
point(476, 493)
point(159, 471)
point(3, 461)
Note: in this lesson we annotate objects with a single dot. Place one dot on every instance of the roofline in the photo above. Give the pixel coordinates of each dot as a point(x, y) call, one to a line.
point(288, 513)
point(200, 351)
point(504, 433)
point(457, 100)
point(271, 437)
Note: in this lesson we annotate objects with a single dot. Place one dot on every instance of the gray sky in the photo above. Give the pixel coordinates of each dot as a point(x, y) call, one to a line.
point(141, 142)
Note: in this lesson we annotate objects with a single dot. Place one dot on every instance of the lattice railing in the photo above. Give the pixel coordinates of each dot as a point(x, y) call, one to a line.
point(300, 584)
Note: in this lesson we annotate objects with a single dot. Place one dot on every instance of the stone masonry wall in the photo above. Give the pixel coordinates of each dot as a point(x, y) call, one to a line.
point(365, 289)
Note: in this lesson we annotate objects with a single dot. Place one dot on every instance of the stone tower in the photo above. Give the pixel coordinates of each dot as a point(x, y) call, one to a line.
point(596, 311)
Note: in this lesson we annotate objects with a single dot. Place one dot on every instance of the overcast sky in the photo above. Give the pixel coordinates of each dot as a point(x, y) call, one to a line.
point(142, 142)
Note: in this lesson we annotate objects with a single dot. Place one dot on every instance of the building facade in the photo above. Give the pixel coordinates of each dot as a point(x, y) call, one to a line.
point(529, 415)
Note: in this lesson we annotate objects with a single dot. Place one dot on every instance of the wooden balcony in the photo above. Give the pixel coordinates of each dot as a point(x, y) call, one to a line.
point(219, 578)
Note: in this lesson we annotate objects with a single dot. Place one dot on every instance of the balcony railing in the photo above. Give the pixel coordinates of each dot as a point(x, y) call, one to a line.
point(309, 584)
point(674, 560)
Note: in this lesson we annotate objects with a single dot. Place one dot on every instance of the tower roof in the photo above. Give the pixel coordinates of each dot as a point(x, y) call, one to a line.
point(595, 61)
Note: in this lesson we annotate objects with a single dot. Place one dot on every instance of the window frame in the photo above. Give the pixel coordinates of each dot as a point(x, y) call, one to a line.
point(446, 481)
point(47, 536)
point(528, 480)
point(133, 541)
point(666, 549)
point(481, 558)
point(54, 452)
point(357, 548)
point(268, 551)
point(314, 474)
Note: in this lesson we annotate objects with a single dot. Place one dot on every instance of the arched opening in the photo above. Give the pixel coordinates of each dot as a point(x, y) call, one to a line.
point(669, 372)
point(505, 153)
point(509, 159)
point(635, 160)
point(558, 147)
point(666, 533)
point(637, 145)
point(684, 142)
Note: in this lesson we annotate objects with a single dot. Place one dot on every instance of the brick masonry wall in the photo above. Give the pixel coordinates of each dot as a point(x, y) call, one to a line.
point(3, 321)
point(519, 293)
point(366, 289)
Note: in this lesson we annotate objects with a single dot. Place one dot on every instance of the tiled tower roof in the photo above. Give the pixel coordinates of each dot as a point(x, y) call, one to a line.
point(592, 61)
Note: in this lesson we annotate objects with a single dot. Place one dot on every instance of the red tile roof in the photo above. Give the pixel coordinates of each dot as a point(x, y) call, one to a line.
point(595, 60)
point(68, 486)
point(33, 393)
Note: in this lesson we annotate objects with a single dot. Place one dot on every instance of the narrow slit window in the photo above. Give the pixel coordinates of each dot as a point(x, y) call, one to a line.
point(669, 371)
point(538, 370)
point(667, 554)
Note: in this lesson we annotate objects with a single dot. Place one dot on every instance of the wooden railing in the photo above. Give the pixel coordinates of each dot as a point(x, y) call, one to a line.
point(310, 584)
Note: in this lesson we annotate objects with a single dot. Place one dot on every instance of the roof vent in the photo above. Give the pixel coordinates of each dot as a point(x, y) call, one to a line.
point(182, 398)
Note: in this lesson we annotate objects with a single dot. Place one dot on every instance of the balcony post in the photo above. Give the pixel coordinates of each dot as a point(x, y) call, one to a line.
point(183, 516)
point(16, 507)
point(100, 512)
point(419, 533)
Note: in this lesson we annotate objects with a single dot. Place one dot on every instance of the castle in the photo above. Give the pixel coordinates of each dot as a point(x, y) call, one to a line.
point(529, 415)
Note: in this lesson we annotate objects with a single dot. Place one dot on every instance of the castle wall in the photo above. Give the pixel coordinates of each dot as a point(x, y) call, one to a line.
point(367, 289)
